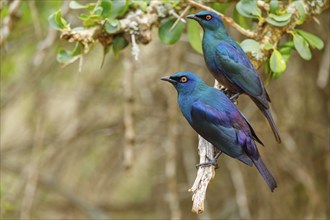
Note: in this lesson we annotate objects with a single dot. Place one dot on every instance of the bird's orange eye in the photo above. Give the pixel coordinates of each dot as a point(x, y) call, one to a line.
point(183, 79)
point(208, 17)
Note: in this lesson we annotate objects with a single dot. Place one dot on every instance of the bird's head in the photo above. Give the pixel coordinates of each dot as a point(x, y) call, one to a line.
point(184, 82)
point(209, 20)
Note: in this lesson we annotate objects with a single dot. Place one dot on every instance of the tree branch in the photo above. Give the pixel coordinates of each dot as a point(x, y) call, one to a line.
point(49, 39)
point(8, 21)
point(173, 198)
point(204, 175)
point(129, 112)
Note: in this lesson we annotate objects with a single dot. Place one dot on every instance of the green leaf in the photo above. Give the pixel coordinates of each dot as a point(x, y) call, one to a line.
point(77, 50)
point(280, 18)
point(248, 8)
point(250, 45)
point(141, 4)
point(288, 44)
point(111, 26)
point(277, 75)
point(286, 50)
point(241, 20)
point(119, 43)
point(98, 11)
point(273, 6)
point(312, 39)
point(106, 6)
point(194, 36)
point(266, 67)
point(276, 62)
point(76, 5)
point(119, 7)
point(56, 21)
point(220, 7)
point(273, 22)
point(268, 46)
point(302, 47)
point(286, 56)
point(299, 5)
point(92, 20)
point(168, 36)
point(106, 50)
point(66, 56)
point(63, 56)
point(83, 17)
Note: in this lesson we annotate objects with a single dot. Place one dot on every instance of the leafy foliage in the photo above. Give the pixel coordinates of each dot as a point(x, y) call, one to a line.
point(194, 36)
point(277, 63)
point(169, 35)
point(248, 9)
point(57, 22)
point(107, 17)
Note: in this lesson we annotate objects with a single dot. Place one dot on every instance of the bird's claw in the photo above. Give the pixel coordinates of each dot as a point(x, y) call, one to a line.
point(211, 162)
point(207, 164)
point(234, 97)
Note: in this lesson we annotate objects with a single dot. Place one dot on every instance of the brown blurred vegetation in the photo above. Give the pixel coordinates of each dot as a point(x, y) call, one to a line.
point(63, 136)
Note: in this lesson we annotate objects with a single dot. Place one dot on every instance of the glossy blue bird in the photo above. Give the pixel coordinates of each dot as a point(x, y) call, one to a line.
point(212, 115)
point(229, 64)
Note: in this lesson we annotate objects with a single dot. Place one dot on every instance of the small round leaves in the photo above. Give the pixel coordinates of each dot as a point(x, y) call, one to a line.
point(183, 79)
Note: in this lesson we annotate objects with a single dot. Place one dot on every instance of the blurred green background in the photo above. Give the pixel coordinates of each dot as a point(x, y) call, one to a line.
point(65, 133)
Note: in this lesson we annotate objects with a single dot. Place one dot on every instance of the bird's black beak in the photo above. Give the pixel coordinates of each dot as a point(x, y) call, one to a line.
point(168, 79)
point(194, 17)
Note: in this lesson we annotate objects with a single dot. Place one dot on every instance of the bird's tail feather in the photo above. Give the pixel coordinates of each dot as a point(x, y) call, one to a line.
point(271, 122)
point(265, 173)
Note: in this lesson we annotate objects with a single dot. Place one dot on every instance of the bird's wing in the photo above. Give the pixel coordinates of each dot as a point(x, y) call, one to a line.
point(254, 135)
point(215, 126)
point(237, 68)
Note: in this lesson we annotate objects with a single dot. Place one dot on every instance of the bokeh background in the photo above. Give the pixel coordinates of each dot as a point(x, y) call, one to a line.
point(110, 142)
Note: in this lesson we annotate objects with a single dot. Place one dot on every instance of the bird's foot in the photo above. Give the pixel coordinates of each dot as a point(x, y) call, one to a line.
point(224, 89)
point(234, 97)
point(211, 162)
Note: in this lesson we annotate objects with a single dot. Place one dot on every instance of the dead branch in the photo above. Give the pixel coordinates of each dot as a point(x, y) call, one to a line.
point(49, 40)
point(8, 21)
point(129, 112)
point(32, 170)
point(204, 175)
point(170, 144)
point(240, 191)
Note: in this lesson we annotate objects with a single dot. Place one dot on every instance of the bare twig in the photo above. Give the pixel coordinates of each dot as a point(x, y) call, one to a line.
point(32, 172)
point(170, 143)
point(180, 18)
point(35, 18)
point(8, 21)
point(128, 112)
point(49, 40)
point(204, 175)
point(323, 75)
point(170, 163)
point(240, 192)
point(135, 48)
point(263, 5)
